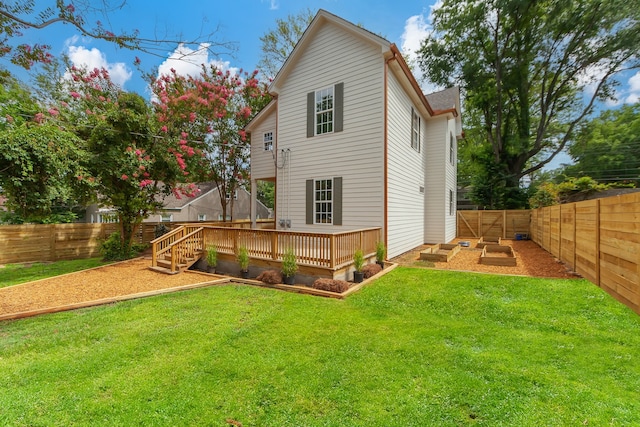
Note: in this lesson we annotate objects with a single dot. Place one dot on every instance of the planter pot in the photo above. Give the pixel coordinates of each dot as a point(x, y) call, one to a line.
point(244, 274)
point(381, 264)
point(358, 276)
point(211, 270)
point(288, 280)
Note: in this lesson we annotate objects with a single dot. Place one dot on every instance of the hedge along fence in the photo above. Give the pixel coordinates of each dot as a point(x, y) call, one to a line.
point(56, 242)
point(505, 224)
point(599, 239)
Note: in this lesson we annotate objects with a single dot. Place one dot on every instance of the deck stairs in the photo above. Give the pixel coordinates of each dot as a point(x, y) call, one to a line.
point(177, 250)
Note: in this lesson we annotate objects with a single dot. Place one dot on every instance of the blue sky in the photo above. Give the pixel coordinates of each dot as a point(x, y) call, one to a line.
point(240, 22)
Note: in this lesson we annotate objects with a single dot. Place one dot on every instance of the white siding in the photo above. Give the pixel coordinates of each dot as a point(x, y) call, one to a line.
point(440, 177)
point(451, 173)
point(405, 174)
point(356, 154)
point(262, 162)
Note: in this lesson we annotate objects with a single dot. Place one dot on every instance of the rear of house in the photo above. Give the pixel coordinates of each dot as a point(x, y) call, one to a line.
point(352, 143)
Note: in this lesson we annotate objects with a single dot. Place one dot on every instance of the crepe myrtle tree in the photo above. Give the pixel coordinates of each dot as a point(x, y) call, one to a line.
point(128, 165)
point(208, 113)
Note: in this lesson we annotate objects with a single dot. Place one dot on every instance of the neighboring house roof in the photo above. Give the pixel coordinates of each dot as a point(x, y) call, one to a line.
point(448, 99)
point(171, 202)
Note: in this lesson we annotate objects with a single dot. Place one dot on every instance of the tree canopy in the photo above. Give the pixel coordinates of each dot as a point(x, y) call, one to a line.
point(530, 71)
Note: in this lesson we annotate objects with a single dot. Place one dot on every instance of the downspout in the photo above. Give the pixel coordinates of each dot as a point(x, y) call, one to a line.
point(385, 225)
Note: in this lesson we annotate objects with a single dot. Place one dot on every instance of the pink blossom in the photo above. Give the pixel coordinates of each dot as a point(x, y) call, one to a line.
point(38, 118)
point(124, 177)
point(145, 182)
point(164, 129)
point(71, 8)
point(53, 112)
point(75, 95)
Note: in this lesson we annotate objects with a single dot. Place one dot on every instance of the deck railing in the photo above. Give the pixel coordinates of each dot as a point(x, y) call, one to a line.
point(330, 250)
point(163, 244)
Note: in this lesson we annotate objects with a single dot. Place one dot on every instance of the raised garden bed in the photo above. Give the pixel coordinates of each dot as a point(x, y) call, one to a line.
point(484, 241)
point(498, 255)
point(441, 252)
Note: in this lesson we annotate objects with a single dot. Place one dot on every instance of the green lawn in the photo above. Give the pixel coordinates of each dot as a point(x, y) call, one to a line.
point(415, 348)
point(12, 274)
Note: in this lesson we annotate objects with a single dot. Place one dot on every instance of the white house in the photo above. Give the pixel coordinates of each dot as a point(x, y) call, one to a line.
point(352, 142)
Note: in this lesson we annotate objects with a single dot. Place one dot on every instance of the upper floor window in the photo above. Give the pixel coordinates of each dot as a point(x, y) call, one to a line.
point(228, 195)
point(202, 217)
point(415, 130)
point(324, 111)
point(452, 150)
point(268, 141)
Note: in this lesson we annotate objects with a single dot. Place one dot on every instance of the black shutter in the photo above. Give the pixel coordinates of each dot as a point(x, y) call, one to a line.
point(337, 201)
point(309, 202)
point(338, 107)
point(311, 111)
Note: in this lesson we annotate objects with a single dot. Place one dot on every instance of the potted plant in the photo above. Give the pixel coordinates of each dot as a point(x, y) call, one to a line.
point(212, 258)
point(358, 263)
point(381, 253)
point(289, 266)
point(243, 260)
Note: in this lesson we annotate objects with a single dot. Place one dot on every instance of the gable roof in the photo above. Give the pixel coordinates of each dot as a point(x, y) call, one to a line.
point(173, 202)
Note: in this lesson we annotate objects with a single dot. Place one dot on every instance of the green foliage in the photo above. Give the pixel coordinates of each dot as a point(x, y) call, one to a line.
point(450, 349)
point(607, 147)
point(115, 248)
point(289, 263)
point(212, 255)
point(279, 42)
point(381, 251)
point(358, 260)
point(549, 193)
point(518, 64)
point(266, 193)
point(243, 258)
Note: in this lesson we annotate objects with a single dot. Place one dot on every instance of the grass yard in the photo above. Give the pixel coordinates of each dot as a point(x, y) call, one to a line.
point(416, 348)
point(12, 274)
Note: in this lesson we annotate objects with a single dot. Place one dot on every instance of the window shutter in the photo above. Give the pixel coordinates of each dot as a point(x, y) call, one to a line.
point(419, 133)
point(311, 110)
point(337, 201)
point(309, 202)
point(338, 107)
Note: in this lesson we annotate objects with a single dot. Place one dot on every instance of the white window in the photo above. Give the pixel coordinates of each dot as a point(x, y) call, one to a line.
point(323, 201)
point(452, 145)
point(415, 130)
point(324, 111)
point(268, 141)
point(235, 195)
point(166, 218)
point(451, 203)
point(202, 217)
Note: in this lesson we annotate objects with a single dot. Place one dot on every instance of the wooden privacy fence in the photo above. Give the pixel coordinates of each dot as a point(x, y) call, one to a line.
point(55, 242)
point(599, 239)
point(505, 224)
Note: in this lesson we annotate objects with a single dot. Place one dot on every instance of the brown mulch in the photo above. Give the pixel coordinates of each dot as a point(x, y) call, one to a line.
point(531, 260)
point(109, 281)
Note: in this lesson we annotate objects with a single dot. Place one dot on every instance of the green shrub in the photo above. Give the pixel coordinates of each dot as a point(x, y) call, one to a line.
point(381, 251)
point(243, 258)
point(358, 260)
point(289, 263)
point(113, 249)
point(212, 256)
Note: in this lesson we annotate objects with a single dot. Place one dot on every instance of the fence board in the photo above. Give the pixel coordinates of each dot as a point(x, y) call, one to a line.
point(606, 246)
point(492, 223)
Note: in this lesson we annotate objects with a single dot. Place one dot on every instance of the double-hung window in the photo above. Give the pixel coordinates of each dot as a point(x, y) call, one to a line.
point(268, 141)
point(323, 201)
point(452, 145)
point(324, 111)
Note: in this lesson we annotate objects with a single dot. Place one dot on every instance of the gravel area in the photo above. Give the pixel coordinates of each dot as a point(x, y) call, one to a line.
point(124, 278)
point(531, 260)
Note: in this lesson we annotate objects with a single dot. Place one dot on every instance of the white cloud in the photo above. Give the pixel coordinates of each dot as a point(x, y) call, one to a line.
point(416, 29)
point(634, 89)
point(80, 56)
point(188, 62)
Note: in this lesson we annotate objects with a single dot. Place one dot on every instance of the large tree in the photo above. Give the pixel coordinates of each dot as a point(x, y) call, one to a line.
point(210, 111)
point(607, 148)
point(129, 164)
point(531, 71)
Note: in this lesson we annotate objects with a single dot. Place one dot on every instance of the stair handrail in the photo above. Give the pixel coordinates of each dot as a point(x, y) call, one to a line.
point(178, 247)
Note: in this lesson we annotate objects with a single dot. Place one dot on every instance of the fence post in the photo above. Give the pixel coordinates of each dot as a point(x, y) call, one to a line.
point(274, 245)
point(332, 250)
point(598, 242)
